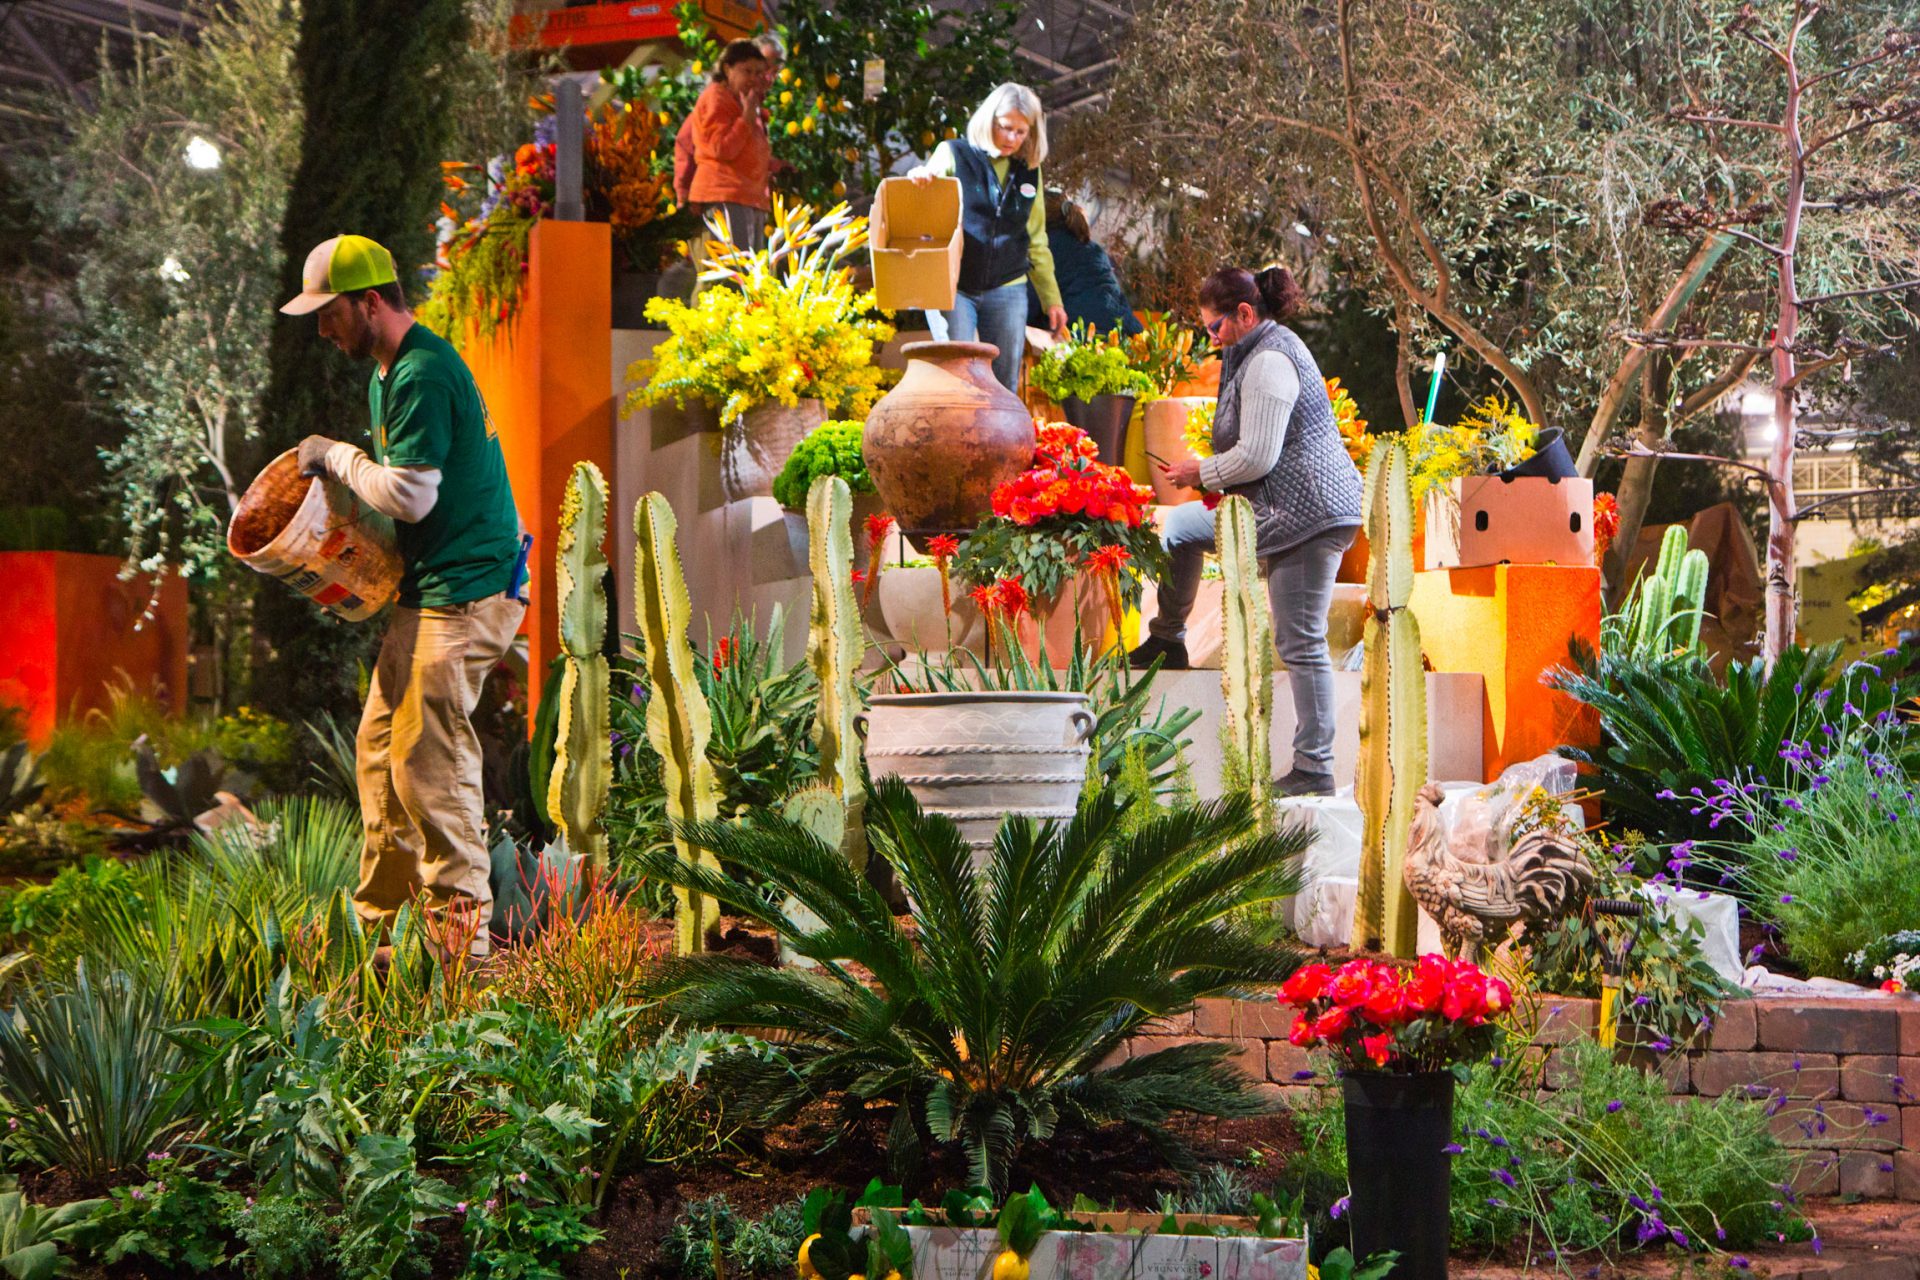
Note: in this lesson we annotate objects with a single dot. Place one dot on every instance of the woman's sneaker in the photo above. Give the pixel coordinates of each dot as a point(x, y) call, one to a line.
point(1172, 652)
point(1299, 782)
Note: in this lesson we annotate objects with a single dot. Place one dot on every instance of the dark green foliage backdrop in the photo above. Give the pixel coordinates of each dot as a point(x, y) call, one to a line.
point(379, 79)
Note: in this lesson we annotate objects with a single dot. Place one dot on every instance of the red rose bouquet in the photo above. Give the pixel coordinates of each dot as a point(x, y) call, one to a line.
point(1377, 1016)
point(1067, 513)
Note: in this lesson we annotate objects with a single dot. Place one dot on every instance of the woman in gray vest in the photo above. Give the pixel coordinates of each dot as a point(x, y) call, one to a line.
point(1276, 443)
point(1004, 227)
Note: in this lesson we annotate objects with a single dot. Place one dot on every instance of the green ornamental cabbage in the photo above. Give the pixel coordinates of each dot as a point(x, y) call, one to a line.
point(830, 449)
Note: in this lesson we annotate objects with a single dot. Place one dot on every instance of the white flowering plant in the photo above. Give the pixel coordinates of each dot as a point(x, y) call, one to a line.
point(1892, 962)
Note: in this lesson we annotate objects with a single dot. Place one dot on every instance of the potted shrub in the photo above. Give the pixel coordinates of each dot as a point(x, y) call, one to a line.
point(1402, 1038)
point(784, 345)
point(1095, 387)
point(830, 449)
point(1068, 524)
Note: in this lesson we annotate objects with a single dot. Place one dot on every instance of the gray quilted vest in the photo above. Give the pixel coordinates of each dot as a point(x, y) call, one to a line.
point(1314, 486)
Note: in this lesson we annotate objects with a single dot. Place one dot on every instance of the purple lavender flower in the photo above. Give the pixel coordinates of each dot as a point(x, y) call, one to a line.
point(1614, 1106)
point(1504, 1178)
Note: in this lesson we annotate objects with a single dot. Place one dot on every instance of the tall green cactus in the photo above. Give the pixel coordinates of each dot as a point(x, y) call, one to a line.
point(836, 644)
point(1662, 615)
point(678, 720)
point(1393, 712)
point(1246, 660)
point(583, 756)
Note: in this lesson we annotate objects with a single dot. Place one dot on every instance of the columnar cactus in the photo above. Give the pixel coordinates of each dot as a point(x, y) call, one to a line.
point(1246, 660)
point(836, 643)
point(1663, 616)
point(678, 720)
point(583, 758)
point(1393, 712)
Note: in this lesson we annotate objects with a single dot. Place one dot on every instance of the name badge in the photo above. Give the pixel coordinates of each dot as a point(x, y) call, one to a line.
point(1027, 190)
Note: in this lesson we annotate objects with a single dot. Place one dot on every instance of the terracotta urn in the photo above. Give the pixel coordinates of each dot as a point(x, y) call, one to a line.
point(1165, 427)
point(940, 442)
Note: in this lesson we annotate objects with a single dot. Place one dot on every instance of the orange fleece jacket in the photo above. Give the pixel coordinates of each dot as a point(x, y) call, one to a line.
point(730, 151)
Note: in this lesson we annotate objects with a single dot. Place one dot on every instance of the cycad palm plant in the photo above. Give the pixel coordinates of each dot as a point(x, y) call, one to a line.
point(999, 1014)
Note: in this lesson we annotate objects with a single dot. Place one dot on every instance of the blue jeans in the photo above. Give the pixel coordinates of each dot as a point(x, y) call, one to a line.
point(998, 316)
point(1299, 590)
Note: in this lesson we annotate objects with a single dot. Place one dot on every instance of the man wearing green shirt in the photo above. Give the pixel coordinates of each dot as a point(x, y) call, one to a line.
point(436, 468)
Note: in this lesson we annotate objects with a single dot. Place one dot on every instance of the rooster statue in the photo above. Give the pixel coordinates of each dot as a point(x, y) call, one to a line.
point(1542, 877)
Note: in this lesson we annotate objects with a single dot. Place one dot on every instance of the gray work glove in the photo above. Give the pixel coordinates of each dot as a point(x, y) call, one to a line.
point(313, 455)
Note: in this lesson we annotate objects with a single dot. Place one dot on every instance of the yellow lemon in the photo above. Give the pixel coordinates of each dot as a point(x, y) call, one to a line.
point(819, 102)
point(806, 124)
point(833, 79)
point(793, 128)
point(1010, 1266)
point(697, 66)
point(927, 139)
point(786, 75)
point(839, 190)
point(786, 97)
point(807, 1271)
point(952, 132)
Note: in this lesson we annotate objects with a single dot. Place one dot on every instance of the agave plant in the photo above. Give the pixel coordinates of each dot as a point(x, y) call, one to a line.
point(89, 1071)
point(998, 1016)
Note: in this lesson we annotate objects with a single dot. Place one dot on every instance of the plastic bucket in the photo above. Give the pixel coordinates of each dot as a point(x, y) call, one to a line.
point(318, 538)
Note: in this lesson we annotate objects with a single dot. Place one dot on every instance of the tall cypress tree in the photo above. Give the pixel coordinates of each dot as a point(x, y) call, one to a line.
point(378, 78)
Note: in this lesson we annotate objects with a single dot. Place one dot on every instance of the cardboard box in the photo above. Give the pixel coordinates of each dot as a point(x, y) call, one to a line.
point(1485, 520)
point(1116, 1253)
point(916, 244)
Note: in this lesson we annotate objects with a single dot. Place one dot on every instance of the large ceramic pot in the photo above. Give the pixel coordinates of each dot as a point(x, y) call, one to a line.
point(1104, 419)
point(1398, 1130)
point(758, 443)
point(914, 616)
point(1165, 427)
point(939, 442)
point(981, 756)
point(1081, 605)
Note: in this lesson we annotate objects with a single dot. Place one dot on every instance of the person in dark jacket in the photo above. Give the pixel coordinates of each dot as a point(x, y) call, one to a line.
point(1089, 288)
point(1003, 221)
point(1276, 443)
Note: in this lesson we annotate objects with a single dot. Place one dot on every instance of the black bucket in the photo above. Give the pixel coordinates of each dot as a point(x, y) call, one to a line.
point(1550, 459)
point(1104, 419)
point(1398, 1169)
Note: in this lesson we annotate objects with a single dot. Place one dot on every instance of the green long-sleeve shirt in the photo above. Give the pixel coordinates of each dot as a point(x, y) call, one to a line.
point(1039, 254)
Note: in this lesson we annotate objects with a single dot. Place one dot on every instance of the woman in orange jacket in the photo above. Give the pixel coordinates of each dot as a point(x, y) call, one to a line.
point(731, 153)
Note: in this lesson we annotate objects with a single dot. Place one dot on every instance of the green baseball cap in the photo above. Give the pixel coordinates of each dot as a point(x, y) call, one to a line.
point(340, 265)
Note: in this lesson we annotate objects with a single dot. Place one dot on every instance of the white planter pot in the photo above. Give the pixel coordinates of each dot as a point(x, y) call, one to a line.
point(978, 757)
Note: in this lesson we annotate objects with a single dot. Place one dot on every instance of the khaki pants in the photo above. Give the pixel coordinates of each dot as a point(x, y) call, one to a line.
point(418, 759)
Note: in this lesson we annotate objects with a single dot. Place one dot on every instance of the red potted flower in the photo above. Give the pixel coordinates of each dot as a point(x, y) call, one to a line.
point(1402, 1037)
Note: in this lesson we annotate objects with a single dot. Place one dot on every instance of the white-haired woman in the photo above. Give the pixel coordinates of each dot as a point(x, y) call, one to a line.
point(1004, 222)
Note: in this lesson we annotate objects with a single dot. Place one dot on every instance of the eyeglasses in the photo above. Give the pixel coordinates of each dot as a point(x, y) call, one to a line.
point(1213, 327)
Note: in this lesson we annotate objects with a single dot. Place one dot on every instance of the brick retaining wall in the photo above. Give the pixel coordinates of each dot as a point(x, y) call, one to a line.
point(1849, 1070)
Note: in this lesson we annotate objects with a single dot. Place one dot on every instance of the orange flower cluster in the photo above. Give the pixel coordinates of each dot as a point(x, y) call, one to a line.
point(1606, 524)
point(1066, 479)
point(622, 145)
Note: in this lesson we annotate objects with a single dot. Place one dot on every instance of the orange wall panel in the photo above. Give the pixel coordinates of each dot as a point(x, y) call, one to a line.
point(1512, 624)
point(547, 381)
point(74, 630)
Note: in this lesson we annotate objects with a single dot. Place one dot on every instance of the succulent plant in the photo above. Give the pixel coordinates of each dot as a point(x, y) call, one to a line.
point(679, 722)
point(583, 754)
point(1246, 659)
point(836, 643)
point(1393, 712)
